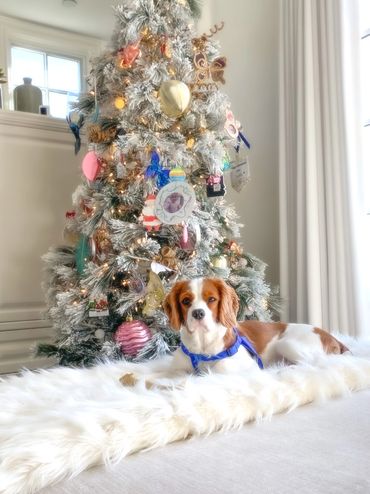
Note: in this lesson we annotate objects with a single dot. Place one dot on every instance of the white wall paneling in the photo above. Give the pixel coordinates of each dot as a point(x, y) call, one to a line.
point(38, 172)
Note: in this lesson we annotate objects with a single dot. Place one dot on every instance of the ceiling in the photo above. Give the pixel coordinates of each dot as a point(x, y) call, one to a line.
point(90, 17)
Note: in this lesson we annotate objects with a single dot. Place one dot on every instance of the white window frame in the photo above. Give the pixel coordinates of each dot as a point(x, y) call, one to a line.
point(15, 32)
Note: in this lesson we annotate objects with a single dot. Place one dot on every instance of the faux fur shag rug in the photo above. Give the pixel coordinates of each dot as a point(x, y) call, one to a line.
point(56, 423)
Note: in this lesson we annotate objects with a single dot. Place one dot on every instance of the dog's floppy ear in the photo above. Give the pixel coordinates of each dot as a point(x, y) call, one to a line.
point(228, 305)
point(172, 305)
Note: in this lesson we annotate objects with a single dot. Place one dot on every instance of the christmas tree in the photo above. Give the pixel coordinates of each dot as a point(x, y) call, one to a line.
point(150, 210)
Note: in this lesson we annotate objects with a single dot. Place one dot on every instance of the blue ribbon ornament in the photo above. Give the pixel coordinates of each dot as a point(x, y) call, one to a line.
point(242, 138)
point(155, 170)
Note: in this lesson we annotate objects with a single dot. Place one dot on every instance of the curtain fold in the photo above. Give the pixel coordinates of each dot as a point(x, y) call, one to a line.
point(321, 211)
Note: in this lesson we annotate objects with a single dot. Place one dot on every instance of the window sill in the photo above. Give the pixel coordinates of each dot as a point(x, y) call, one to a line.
point(33, 121)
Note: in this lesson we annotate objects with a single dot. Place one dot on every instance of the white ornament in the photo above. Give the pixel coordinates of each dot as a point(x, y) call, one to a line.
point(175, 203)
point(220, 262)
point(240, 171)
point(99, 334)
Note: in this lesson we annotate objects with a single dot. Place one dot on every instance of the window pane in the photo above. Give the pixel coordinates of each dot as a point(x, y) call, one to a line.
point(64, 74)
point(58, 104)
point(27, 63)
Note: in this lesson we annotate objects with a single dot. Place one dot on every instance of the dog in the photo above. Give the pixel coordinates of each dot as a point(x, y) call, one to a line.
point(204, 310)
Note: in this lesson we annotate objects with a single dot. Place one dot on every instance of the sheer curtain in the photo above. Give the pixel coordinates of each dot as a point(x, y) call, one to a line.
point(322, 214)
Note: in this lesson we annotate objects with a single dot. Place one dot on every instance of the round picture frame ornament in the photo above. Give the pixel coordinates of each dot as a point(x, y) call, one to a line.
point(175, 203)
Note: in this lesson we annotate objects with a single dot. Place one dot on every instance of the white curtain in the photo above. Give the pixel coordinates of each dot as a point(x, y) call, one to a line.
point(323, 219)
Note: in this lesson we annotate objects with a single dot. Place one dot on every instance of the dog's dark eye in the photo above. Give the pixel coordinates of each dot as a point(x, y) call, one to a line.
point(211, 299)
point(186, 301)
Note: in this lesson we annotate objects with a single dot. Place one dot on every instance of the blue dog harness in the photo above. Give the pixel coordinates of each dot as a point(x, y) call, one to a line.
point(196, 358)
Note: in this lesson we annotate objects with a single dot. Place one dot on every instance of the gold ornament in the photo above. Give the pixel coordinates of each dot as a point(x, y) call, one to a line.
point(175, 98)
point(155, 294)
point(167, 257)
point(120, 102)
point(97, 135)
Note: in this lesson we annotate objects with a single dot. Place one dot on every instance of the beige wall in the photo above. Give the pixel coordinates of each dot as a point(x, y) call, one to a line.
point(39, 172)
point(249, 40)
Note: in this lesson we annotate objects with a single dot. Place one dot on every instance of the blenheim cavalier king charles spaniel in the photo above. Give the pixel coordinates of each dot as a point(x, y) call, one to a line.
point(204, 310)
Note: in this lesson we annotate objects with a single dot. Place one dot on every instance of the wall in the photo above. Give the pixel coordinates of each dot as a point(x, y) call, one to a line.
point(249, 40)
point(39, 172)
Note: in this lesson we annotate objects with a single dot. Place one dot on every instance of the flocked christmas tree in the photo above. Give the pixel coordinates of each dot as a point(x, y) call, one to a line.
point(150, 210)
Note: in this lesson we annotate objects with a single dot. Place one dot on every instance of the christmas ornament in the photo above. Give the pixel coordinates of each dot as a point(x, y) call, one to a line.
point(98, 307)
point(103, 243)
point(70, 232)
point(132, 336)
point(126, 56)
point(240, 170)
point(75, 121)
point(215, 186)
point(91, 166)
point(97, 135)
point(208, 73)
point(155, 170)
point(234, 248)
point(120, 102)
point(157, 268)
point(220, 262)
point(177, 175)
point(167, 257)
point(232, 126)
point(99, 334)
point(120, 170)
point(185, 235)
point(175, 203)
point(226, 164)
point(148, 215)
point(154, 296)
point(137, 285)
point(82, 254)
point(187, 242)
point(166, 48)
point(174, 97)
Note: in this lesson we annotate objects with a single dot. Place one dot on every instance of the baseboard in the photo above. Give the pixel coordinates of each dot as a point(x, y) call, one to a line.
point(17, 346)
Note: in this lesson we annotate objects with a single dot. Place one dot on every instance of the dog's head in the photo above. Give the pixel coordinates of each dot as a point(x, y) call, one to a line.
point(202, 304)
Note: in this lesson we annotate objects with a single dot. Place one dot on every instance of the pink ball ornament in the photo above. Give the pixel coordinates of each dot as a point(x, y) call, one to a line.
point(132, 336)
point(91, 166)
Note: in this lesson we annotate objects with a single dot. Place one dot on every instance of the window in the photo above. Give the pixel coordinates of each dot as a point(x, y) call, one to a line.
point(58, 77)
point(56, 60)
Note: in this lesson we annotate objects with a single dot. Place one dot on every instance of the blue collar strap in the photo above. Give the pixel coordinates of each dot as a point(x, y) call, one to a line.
point(196, 358)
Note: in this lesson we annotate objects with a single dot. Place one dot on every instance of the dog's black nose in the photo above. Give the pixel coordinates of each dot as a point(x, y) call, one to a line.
point(198, 314)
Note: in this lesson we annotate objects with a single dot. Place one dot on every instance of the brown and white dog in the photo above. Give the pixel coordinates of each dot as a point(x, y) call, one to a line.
point(204, 310)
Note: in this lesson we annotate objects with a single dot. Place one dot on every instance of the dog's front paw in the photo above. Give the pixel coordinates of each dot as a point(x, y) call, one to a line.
point(128, 379)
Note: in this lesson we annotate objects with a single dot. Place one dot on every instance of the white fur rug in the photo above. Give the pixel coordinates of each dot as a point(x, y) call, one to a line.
point(56, 423)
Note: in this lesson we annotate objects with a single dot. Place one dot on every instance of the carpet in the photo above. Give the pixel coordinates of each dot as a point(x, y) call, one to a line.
point(56, 423)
